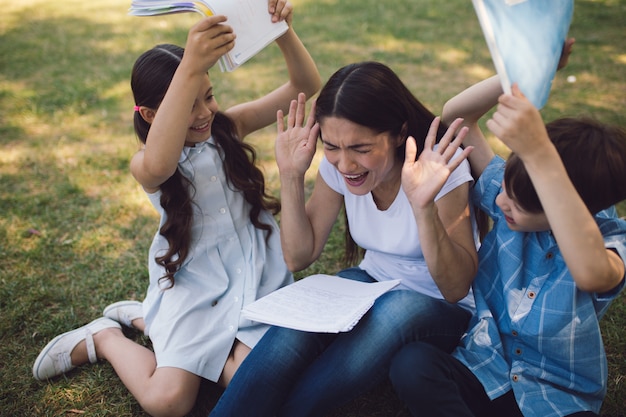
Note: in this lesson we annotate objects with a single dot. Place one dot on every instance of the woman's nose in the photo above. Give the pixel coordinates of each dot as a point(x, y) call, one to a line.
point(345, 163)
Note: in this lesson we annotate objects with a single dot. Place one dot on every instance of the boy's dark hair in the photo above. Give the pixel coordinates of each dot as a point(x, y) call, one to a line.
point(594, 156)
point(151, 76)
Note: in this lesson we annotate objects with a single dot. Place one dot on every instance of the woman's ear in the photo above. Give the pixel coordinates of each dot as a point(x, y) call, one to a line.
point(147, 114)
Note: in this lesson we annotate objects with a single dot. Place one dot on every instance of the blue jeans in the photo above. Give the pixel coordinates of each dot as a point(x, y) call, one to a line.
point(292, 373)
point(433, 383)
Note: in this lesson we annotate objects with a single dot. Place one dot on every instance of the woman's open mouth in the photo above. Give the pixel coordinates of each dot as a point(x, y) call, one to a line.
point(355, 180)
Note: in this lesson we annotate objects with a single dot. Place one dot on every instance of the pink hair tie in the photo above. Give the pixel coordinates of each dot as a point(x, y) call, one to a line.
point(136, 108)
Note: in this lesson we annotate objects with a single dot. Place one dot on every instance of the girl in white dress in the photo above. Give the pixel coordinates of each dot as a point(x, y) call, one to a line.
point(217, 247)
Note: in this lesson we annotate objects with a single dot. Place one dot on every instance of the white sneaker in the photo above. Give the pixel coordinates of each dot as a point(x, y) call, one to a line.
point(55, 359)
point(124, 312)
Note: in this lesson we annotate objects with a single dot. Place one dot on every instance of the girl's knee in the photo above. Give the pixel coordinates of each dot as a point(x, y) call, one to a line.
point(169, 403)
point(170, 392)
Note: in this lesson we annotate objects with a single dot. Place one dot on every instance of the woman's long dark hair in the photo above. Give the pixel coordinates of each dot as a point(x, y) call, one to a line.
point(151, 76)
point(370, 94)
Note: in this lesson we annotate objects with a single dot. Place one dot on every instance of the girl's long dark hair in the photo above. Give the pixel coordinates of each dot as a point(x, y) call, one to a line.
point(370, 94)
point(151, 76)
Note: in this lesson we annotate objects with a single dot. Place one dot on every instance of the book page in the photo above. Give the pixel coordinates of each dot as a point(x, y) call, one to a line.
point(318, 303)
point(249, 19)
point(525, 39)
point(252, 24)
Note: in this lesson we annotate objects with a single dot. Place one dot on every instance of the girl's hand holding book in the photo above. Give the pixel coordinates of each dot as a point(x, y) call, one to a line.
point(208, 40)
point(281, 10)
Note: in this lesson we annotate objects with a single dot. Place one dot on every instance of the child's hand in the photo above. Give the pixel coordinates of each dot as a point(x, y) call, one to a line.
point(423, 179)
point(281, 10)
point(295, 147)
point(207, 41)
point(519, 125)
point(566, 52)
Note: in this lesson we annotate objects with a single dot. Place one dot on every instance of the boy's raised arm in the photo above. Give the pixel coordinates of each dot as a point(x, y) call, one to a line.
point(520, 126)
point(471, 104)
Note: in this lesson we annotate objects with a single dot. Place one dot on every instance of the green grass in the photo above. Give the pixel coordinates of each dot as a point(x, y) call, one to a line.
point(75, 227)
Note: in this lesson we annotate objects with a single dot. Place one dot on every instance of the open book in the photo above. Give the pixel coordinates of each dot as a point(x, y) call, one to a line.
point(525, 39)
point(318, 303)
point(249, 19)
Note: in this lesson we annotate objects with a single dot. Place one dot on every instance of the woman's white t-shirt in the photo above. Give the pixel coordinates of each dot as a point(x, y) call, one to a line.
point(389, 237)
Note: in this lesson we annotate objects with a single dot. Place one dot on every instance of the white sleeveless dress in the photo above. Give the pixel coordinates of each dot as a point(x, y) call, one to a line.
point(194, 324)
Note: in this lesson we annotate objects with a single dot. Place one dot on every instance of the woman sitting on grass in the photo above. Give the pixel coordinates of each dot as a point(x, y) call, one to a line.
point(411, 217)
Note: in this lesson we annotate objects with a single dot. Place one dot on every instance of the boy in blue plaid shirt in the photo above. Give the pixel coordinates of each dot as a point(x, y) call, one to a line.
point(548, 269)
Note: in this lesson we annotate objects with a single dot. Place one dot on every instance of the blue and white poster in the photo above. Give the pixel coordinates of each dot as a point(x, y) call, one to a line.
point(525, 39)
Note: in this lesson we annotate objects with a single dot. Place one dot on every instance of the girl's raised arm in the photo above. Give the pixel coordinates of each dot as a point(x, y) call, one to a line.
point(444, 226)
point(304, 78)
point(207, 41)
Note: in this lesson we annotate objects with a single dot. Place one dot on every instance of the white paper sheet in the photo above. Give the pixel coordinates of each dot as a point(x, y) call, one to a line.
point(318, 303)
point(249, 19)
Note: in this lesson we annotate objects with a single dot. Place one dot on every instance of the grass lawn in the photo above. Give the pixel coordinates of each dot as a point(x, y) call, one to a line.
point(75, 227)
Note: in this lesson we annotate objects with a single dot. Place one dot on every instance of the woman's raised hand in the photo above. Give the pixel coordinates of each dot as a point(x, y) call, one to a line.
point(423, 179)
point(296, 144)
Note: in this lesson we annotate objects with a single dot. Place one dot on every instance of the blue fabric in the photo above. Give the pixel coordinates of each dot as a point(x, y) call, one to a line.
point(525, 39)
point(446, 387)
point(534, 332)
point(292, 373)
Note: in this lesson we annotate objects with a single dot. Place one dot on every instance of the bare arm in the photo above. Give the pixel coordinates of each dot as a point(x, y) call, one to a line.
point(304, 78)
point(519, 125)
point(444, 227)
point(304, 227)
point(207, 41)
point(446, 236)
point(471, 104)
